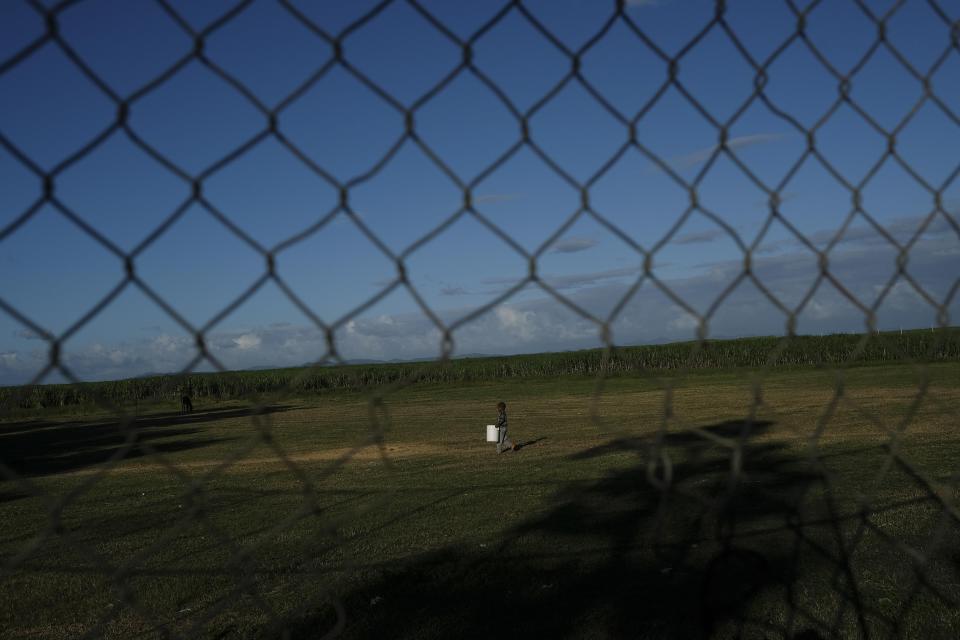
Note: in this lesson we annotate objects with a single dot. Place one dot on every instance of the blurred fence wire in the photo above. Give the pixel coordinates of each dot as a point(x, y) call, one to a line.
point(856, 616)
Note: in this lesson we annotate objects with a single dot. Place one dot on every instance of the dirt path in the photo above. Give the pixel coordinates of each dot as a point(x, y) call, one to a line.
point(366, 453)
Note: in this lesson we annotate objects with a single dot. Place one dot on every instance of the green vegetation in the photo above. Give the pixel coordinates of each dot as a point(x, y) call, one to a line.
point(203, 528)
point(800, 351)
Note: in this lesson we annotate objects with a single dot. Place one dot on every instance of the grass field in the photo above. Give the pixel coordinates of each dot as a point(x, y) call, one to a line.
point(630, 523)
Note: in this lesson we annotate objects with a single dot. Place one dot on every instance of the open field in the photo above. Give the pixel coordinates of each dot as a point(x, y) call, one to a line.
point(798, 512)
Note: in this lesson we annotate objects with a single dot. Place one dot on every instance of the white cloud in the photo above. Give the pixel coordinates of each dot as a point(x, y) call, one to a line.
point(683, 322)
point(164, 343)
point(519, 324)
point(247, 341)
point(820, 311)
point(10, 359)
point(543, 324)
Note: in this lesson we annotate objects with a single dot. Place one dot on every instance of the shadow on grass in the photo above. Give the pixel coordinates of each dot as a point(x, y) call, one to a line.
point(710, 553)
point(529, 443)
point(159, 419)
point(48, 448)
point(10, 496)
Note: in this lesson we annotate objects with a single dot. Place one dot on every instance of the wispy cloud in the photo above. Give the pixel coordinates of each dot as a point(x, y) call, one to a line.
point(589, 279)
point(574, 244)
point(573, 281)
point(900, 228)
point(27, 334)
point(453, 291)
point(541, 323)
point(699, 156)
point(699, 237)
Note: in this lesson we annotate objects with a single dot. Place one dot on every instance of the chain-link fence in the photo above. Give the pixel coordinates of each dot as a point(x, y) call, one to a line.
point(731, 589)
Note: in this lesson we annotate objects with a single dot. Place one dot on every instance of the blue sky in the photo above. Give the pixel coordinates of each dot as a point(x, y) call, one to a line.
point(54, 272)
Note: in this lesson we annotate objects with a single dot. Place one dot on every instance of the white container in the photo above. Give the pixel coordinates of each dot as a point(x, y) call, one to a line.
point(492, 433)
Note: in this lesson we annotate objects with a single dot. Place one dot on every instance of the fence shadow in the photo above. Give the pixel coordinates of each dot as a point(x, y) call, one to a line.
point(619, 557)
point(48, 448)
point(607, 559)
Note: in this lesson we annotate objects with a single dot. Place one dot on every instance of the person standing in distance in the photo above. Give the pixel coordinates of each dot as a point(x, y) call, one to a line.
point(503, 442)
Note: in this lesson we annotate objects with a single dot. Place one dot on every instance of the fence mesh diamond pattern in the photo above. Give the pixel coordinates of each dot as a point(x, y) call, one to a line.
point(264, 586)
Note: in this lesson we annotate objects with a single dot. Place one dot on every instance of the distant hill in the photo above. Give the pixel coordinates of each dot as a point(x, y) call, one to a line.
point(830, 351)
point(368, 361)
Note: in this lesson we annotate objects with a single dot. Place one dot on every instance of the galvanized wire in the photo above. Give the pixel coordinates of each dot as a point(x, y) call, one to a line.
point(657, 462)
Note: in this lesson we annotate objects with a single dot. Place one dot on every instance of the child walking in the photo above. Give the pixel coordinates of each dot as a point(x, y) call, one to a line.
point(503, 442)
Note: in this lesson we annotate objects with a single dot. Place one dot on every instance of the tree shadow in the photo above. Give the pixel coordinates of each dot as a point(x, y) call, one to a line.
point(678, 545)
point(48, 448)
